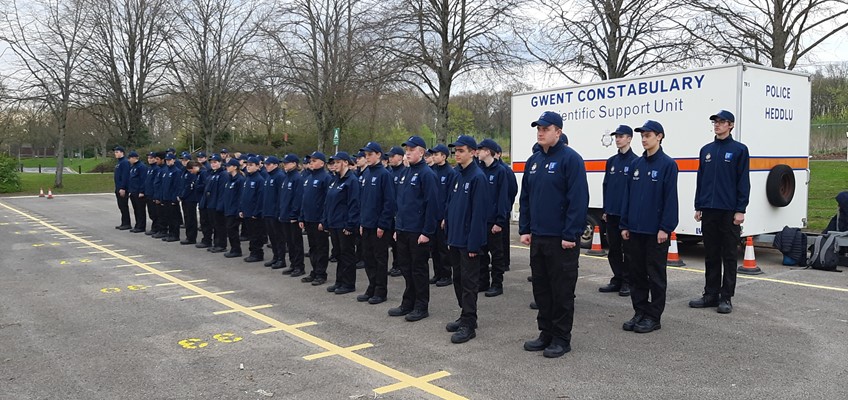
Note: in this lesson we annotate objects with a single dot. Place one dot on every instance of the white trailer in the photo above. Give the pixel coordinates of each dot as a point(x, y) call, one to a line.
point(772, 109)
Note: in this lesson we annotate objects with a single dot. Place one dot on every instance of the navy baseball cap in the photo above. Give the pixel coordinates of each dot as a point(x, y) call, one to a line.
point(170, 156)
point(415, 141)
point(272, 160)
point(215, 157)
point(151, 154)
point(440, 148)
point(118, 148)
point(360, 154)
point(622, 130)
point(464, 140)
point(132, 154)
point(290, 158)
point(385, 156)
point(396, 151)
point(651, 126)
point(243, 157)
point(319, 155)
point(490, 144)
point(341, 156)
point(548, 118)
point(252, 160)
point(233, 163)
point(201, 154)
point(171, 150)
point(723, 114)
point(224, 151)
point(373, 147)
point(186, 156)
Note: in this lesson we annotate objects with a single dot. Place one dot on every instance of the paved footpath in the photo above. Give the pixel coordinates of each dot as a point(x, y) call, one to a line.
point(89, 312)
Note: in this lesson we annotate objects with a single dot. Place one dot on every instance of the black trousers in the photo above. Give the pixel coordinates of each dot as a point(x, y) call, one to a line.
point(334, 250)
point(554, 273)
point(647, 264)
point(172, 212)
point(441, 255)
point(358, 243)
point(233, 224)
point(319, 249)
point(153, 213)
point(466, 277)
point(124, 208)
point(220, 229)
point(190, 218)
point(207, 217)
point(615, 256)
point(416, 270)
point(721, 241)
point(346, 264)
point(274, 230)
point(493, 253)
point(294, 243)
point(255, 229)
point(139, 210)
point(506, 245)
point(376, 254)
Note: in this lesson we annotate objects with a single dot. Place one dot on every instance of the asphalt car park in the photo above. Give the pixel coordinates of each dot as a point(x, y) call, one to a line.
point(87, 311)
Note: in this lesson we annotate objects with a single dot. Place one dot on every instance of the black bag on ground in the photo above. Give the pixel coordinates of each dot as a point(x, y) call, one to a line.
point(839, 222)
point(793, 244)
point(826, 251)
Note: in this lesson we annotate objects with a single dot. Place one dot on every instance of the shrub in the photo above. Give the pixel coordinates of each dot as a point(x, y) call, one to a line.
point(106, 166)
point(9, 180)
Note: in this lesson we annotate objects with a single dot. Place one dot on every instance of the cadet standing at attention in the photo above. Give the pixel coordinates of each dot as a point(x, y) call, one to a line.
point(270, 212)
point(445, 175)
point(376, 220)
point(153, 162)
point(214, 190)
point(250, 210)
point(497, 193)
point(122, 180)
point(138, 174)
point(341, 218)
point(291, 199)
point(314, 194)
point(230, 202)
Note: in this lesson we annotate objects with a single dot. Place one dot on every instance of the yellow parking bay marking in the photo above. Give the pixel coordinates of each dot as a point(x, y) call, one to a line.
point(295, 326)
point(334, 353)
point(197, 296)
point(404, 385)
point(249, 308)
point(176, 283)
point(404, 380)
point(133, 265)
point(150, 273)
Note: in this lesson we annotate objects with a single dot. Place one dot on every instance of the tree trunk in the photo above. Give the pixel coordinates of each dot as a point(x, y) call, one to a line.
point(60, 156)
point(443, 118)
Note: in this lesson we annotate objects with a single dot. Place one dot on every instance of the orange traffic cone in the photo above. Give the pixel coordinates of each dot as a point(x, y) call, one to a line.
point(673, 258)
point(749, 264)
point(41, 192)
point(49, 193)
point(596, 249)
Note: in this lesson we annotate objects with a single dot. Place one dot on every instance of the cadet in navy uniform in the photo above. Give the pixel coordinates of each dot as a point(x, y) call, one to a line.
point(396, 166)
point(161, 224)
point(359, 170)
point(512, 192)
point(203, 160)
point(192, 192)
point(415, 228)
point(215, 189)
point(135, 188)
point(497, 194)
point(208, 201)
point(376, 220)
point(465, 225)
point(291, 201)
point(553, 203)
point(122, 180)
point(171, 188)
point(230, 201)
point(341, 218)
point(721, 198)
point(314, 194)
point(616, 177)
point(250, 210)
point(445, 174)
point(649, 215)
point(270, 211)
point(153, 160)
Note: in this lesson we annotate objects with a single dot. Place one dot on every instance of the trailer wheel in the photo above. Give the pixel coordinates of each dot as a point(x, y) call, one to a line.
point(780, 185)
point(592, 221)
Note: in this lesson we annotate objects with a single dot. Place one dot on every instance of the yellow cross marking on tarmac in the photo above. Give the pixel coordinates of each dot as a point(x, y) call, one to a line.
point(176, 283)
point(403, 385)
point(249, 308)
point(405, 380)
point(150, 273)
point(295, 326)
point(333, 353)
point(197, 296)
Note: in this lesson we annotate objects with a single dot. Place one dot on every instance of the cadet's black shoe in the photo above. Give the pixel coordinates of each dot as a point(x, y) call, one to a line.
point(345, 290)
point(557, 348)
point(230, 254)
point(287, 270)
point(171, 239)
point(270, 263)
point(533, 305)
point(463, 334)
point(646, 325)
point(123, 227)
point(707, 300)
point(609, 288)
point(395, 272)
point(625, 290)
point(724, 306)
point(297, 272)
point(217, 249)
point(399, 311)
point(481, 288)
point(187, 242)
point(253, 258)
point(433, 280)
point(444, 282)
point(376, 300)
point(529, 279)
point(454, 326)
point(360, 264)
point(203, 245)
point(363, 298)
point(628, 326)
point(319, 281)
point(540, 343)
point(159, 235)
point(279, 264)
point(333, 259)
point(332, 288)
point(134, 230)
point(150, 233)
point(308, 278)
point(494, 291)
point(417, 315)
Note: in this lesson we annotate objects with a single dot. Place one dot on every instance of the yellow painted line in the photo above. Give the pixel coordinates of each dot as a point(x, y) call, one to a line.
point(133, 265)
point(409, 380)
point(150, 273)
point(295, 326)
point(249, 308)
point(176, 283)
point(96, 252)
point(197, 296)
point(334, 353)
point(117, 258)
point(404, 385)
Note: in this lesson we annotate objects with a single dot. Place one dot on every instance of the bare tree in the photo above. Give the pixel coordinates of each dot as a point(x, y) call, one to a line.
point(211, 58)
point(778, 33)
point(127, 61)
point(267, 104)
point(48, 37)
point(436, 42)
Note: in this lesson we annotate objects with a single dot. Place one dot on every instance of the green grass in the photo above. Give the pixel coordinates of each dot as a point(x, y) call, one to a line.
point(72, 183)
point(827, 179)
point(73, 163)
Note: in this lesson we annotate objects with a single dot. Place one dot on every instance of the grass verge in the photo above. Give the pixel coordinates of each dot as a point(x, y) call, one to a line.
point(87, 164)
point(827, 179)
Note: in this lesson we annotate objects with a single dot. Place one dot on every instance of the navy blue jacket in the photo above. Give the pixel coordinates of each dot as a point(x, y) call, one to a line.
point(465, 219)
point(616, 177)
point(232, 194)
point(172, 184)
point(497, 194)
point(219, 188)
point(250, 202)
point(723, 176)
point(211, 188)
point(314, 194)
point(512, 182)
point(291, 196)
point(554, 195)
point(192, 187)
point(271, 193)
point(157, 182)
point(122, 174)
point(341, 207)
point(377, 198)
point(152, 173)
point(138, 174)
point(650, 197)
point(445, 174)
point(418, 200)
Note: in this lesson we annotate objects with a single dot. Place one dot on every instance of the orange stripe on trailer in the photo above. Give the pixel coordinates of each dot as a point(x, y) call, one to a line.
point(691, 164)
point(687, 164)
point(767, 163)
